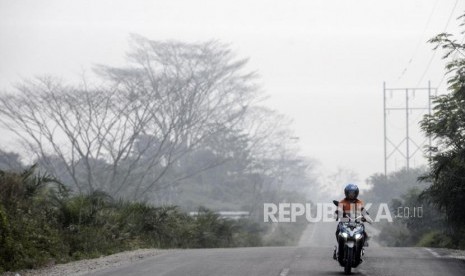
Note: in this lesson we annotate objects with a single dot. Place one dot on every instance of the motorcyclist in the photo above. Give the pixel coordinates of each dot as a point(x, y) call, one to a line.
point(351, 206)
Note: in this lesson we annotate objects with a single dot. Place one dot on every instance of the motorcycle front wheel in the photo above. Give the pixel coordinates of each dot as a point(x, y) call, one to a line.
point(349, 260)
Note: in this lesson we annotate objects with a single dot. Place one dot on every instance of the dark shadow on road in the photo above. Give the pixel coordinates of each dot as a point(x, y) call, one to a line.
point(341, 272)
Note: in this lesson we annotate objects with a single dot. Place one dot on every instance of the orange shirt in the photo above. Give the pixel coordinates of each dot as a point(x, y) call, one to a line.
point(348, 206)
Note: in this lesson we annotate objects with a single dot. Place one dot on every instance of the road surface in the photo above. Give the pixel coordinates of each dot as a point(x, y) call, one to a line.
point(313, 256)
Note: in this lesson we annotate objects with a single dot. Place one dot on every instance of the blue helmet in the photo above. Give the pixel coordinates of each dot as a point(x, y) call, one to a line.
point(351, 188)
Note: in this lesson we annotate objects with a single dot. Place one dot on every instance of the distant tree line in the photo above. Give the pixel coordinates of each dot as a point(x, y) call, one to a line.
point(416, 222)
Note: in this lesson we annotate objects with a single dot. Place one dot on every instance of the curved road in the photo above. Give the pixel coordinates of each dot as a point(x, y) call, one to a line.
point(313, 256)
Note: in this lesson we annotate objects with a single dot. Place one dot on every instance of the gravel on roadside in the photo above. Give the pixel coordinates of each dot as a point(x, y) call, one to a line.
point(84, 267)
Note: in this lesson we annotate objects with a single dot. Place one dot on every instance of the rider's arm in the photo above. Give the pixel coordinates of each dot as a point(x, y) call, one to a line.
point(339, 211)
point(366, 216)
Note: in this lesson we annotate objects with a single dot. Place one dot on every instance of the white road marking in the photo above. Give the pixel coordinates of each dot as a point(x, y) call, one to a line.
point(284, 272)
point(434, 253)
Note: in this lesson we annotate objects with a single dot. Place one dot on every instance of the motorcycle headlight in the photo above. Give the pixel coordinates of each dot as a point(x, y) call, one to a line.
point(344, 235)
point(358, 236)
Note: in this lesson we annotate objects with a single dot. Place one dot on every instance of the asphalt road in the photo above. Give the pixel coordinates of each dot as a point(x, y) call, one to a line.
point(313, 256)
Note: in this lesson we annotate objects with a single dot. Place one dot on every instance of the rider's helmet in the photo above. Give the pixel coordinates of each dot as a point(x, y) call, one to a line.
point(351, 191)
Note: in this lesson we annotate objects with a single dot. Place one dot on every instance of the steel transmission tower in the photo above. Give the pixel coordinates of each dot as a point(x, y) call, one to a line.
point(405, 140)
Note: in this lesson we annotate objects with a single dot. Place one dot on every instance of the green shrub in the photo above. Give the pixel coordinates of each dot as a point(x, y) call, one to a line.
point(29, 233)
point(436, 239)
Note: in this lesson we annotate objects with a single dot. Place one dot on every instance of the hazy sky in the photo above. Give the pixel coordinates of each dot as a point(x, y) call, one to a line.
point(323, 63)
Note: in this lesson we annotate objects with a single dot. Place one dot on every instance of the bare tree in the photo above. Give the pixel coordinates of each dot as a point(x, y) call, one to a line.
point(124, 135)
point(276, 164)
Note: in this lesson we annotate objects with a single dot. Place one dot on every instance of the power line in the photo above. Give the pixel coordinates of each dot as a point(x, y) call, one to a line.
point(420, 41)
point(435, 50)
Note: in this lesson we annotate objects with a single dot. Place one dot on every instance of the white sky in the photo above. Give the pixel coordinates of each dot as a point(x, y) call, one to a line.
point(322, 62)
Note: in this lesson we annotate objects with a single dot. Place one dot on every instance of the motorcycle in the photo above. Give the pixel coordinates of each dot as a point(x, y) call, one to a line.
point(351, 239)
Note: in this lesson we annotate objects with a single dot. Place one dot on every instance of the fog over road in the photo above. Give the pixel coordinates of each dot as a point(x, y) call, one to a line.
point(313, 256)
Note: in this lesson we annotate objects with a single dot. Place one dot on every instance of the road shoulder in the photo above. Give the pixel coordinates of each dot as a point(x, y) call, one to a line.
point(84, 267)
